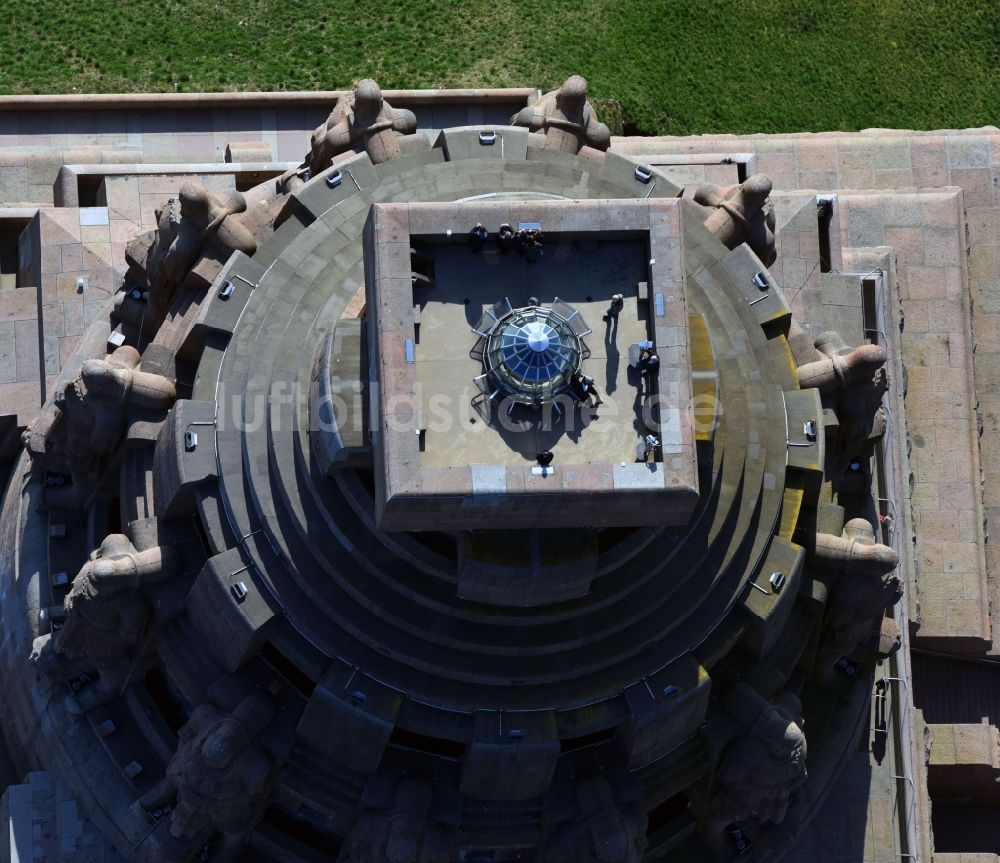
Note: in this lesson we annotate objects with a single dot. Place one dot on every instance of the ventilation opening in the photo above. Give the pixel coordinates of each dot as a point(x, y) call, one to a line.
point(450, 749)
point(667, 811)
point(585, 741)
point(444, 544)
point(966, 826)
point(199, 529)
point(367, 480)
point(115, 516)
point(164, 698)
point(478, 855)
point(301, 681)
point(186, 371)
point(10, 233)
point(6, 470)
point(609, 537)
point(824, 216)
point(89, 189)
point(301, 832)
point(246, 180)
point(869, 310)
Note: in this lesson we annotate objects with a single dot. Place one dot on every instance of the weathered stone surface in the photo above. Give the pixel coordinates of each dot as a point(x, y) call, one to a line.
point(218, 779)
point(566, 119)
point(321, 581)
point(105, 616)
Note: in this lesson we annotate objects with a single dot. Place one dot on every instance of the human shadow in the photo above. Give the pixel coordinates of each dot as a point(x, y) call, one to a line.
point(613, 355)
point(880, 723)
point(529, 431)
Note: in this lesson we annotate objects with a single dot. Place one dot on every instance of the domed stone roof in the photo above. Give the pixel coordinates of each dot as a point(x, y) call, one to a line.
point(382, 605)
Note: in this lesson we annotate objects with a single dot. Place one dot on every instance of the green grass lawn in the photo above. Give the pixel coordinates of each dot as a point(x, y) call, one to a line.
point(675, 67)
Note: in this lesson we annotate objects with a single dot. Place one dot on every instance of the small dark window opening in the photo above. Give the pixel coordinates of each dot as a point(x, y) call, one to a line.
point(89, 190)
point(302, 831)
point(422, 743)
point(185, 373)
point(115, 516)
point(247, 180)
point(163, 697)
point(10, 233)
point(287, 669)
point(824, 216)
point(585, 741)
point(667, 811)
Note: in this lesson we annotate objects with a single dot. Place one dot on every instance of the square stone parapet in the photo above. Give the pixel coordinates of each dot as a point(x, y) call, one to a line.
point(490, 486)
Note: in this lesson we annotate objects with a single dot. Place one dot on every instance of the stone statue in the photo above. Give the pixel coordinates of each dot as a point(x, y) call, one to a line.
point(852, 382)
point(105, 617)
point(742, 214)
point(566, 119)
point(603, 830)
point(890, 637)
point(218, 780)
point(401, 833)
point(361, 120)
point(762, 768)
point(92, 411)
point(866, 587)
point(188, 227)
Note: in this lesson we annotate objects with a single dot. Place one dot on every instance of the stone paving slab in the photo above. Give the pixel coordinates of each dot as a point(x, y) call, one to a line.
point(444, 364)
point(36, 143)
point(856, 824)
point(973, 857)
point(924, 232)
point(947, 249)
point(60, 247)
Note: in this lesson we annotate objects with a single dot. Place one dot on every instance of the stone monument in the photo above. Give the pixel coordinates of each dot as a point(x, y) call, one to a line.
point(487, 583)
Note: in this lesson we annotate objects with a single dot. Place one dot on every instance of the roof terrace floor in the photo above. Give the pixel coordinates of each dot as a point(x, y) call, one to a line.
point(584, 274)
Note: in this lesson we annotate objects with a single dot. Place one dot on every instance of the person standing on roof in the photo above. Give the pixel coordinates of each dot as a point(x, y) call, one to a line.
point(478, 237)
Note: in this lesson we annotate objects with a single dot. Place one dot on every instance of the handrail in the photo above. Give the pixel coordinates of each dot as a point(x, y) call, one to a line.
point(899, 708)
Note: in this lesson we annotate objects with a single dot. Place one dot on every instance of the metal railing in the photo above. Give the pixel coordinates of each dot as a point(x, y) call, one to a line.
point(896, 692)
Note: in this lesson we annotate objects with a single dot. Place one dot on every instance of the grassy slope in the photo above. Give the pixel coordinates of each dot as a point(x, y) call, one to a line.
point(677, 66)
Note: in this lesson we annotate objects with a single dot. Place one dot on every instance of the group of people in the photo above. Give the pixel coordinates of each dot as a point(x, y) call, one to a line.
point(526, 241)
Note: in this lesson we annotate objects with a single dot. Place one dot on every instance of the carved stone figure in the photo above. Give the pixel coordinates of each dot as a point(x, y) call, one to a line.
point(566, 119)
point(92, 410)
point(867, 586)
point(362, 119)
point(742, 214)
point(890, 637)
point(219, 778)
point(402, 833)
point(189, 226)
point(105, 616)
point(604, 831)
point(852, 382)
point(762, 768)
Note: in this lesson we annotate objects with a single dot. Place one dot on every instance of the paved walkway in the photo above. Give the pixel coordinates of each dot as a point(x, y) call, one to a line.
point(856, 823)
point(946, 256)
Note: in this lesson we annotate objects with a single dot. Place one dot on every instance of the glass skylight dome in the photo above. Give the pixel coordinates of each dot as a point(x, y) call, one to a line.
point(533, 352)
